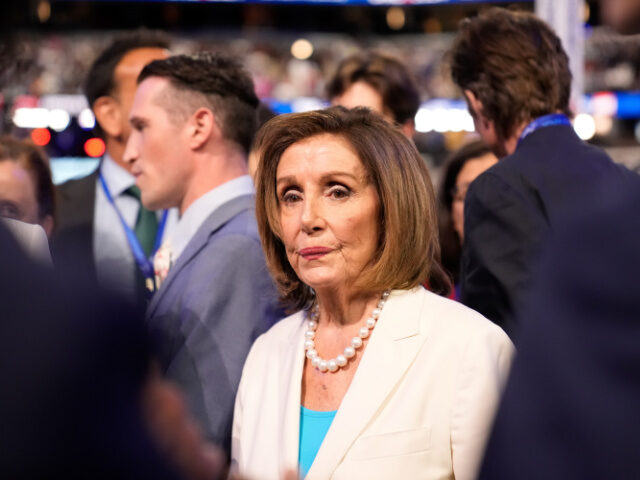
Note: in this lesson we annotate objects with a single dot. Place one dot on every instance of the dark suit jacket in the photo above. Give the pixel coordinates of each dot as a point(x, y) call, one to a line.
point(75, 209)
point(512, 207)
point(217, 298)
point(571, 408)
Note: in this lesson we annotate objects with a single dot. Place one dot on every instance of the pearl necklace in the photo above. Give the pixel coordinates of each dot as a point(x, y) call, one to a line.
point(334, 364)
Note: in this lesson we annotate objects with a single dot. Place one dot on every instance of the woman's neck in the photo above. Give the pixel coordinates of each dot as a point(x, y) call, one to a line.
point(343, 309)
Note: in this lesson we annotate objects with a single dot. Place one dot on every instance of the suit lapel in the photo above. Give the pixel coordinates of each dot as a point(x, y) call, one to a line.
point(76, 202)
point(291, 362)
point(73, 234)
point(215, 221)
point(391, 350)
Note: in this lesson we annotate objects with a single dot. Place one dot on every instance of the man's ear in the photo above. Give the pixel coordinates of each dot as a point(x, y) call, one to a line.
point(202, 127)
point(476, 107)
point(108, 115)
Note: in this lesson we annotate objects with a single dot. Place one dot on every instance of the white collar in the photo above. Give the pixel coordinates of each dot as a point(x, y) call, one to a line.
point(117, 178)
point(201, 208)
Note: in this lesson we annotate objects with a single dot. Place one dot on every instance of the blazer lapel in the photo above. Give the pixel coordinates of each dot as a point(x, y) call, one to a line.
point(217, 219)
point(392, 348)
point(291, 365)
point(76, 201)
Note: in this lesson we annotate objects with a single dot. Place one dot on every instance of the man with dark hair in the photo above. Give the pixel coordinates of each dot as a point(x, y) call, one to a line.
point(193, 120)
point(100, 216)
point(570, 408)
point(380, 82)
point(515, 77)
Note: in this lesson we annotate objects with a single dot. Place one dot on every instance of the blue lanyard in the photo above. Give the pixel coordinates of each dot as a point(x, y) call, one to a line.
point(145, 264)
point(544, 121)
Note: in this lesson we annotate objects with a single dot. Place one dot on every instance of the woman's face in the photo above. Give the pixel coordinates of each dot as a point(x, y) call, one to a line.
point(17, 193)
point(470, 170)
point(328, 211)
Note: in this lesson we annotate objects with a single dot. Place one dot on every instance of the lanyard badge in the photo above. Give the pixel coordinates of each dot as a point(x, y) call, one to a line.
point(544, 121)
point(144, 264)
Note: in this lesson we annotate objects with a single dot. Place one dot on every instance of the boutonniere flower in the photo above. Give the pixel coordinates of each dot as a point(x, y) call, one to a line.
point(162, 263)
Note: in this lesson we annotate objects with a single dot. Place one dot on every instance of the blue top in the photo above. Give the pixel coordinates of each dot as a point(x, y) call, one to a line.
point(313, 428)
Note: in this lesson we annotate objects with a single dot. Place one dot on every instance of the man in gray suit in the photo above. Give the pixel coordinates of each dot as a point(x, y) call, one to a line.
point(193, 119)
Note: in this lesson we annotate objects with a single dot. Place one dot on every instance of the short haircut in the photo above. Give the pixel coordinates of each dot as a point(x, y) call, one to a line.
point(213, 80)
point(100, 81)
point(387, 75)
point(408, 242)
point(33, 159)
point(514, 64)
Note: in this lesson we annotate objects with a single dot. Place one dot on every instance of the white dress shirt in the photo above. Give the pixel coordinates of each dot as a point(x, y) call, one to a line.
point(32, 238)
point(115, 264)
point(204, 206)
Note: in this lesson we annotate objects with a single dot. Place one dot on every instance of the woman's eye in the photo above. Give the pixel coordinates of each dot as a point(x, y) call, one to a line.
point(8, 209)
point(290, 196)
point(339, 192)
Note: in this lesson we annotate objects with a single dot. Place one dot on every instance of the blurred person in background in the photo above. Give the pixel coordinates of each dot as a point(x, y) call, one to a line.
point(27, 205)
point(373, 377)
point(461, 169)
point(26, 188)
point(100, 216)
point(515, 76)
point(623, 15)
point(380, 82)
point(81, 398)
point(193, 119)
point(575, 385)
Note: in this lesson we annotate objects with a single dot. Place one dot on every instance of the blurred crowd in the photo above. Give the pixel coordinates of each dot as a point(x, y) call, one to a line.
point(290, 78)
point(59, 60)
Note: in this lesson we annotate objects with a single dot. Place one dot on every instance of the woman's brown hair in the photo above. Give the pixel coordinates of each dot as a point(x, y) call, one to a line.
point(408, 246)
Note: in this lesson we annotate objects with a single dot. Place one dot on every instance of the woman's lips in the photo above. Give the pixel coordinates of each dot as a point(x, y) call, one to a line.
point(313, 253)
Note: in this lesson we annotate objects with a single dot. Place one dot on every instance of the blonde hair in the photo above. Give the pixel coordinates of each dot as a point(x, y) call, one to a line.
point(408, 242)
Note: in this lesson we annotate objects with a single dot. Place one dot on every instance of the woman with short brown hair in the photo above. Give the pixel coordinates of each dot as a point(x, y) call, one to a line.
point(374, 376)
point(404, 256)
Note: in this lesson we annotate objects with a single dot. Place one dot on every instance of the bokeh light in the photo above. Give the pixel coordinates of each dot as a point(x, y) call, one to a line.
point(302, 49)
point(94, 147)
point(41, 136)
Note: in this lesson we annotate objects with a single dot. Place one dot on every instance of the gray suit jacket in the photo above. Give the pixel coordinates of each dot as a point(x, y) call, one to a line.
point(216, 300)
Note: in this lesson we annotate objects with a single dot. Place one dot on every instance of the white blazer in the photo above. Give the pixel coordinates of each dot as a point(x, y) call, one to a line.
point(420, 405)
